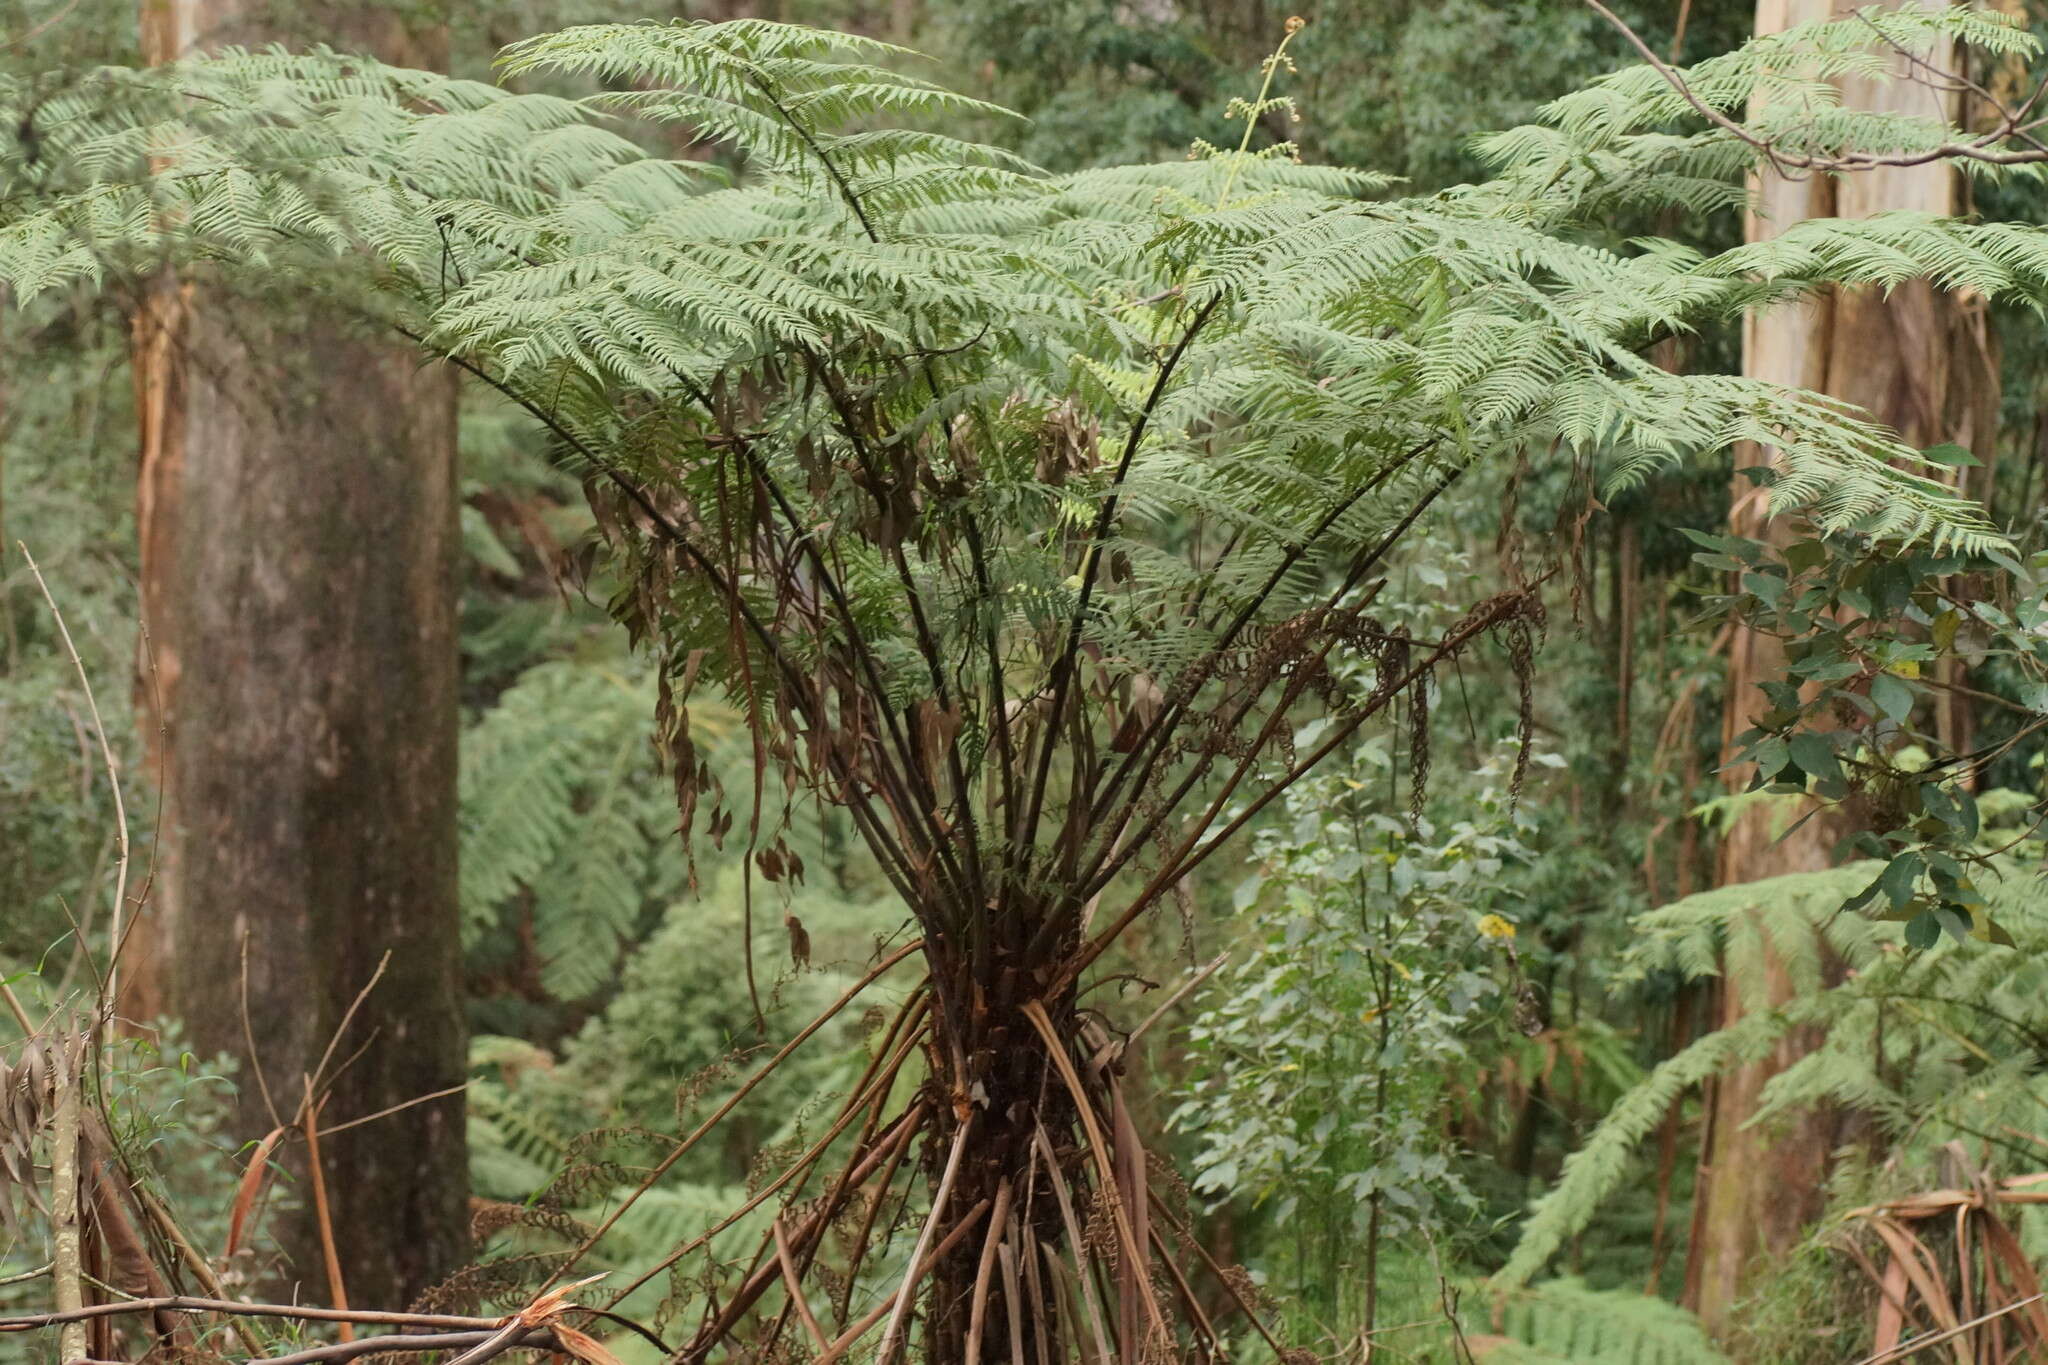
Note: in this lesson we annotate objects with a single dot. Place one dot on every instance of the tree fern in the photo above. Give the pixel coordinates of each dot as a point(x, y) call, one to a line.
point(1025, 520)
point(560, 799)
point(1563, 1321)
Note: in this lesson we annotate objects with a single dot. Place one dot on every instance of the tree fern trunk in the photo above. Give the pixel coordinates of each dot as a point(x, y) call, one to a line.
point(998, 1074)
point(297, 517)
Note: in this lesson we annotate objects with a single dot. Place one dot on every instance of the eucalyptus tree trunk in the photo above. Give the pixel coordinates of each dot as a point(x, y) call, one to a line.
point(1922, 361)
point(297, 512)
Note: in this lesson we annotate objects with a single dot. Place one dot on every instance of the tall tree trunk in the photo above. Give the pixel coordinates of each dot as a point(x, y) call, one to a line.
point(1921, 361)
point(297, 512)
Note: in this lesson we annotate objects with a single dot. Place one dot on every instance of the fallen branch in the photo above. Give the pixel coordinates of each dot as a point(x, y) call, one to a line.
point(499, 1338)
point(181, 1303)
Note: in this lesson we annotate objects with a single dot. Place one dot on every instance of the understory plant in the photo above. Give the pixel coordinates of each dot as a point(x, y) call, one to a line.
point(1035, 524)
point(1377, 980)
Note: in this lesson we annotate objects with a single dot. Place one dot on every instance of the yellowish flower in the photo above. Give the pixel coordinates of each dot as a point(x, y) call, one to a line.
point(1493, 926)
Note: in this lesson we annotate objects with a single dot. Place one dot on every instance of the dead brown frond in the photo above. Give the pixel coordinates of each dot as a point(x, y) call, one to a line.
point(1951, 1276)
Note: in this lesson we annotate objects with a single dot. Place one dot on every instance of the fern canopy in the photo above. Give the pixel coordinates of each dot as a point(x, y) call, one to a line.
point(1158, 404)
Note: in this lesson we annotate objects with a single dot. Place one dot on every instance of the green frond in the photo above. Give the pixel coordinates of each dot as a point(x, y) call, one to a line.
point(1563, 1320)
point(1928, 1002)
point(1600, 1166)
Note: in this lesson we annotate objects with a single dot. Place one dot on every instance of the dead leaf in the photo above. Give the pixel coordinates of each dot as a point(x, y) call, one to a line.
point(584, 1346)
point(251, 1184)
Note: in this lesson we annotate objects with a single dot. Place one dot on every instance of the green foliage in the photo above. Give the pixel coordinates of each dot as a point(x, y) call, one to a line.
point(162, 1111)
point(1322, 1067)
point(565, 818)
point(525, 237)
point(1875, 644)
point(64, 417)
point(1563, 1321)
point(571, 1128)
point(1395, 84)
point(1785, 89)
point(858, 397)
point(677, 1016)
point(1931, 1045)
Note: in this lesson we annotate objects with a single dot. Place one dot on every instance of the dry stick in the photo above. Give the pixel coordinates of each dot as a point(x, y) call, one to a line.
point(113, 781)
point(1180, 993)
point(494, 1342)
point(389, 1110)
point(448, 1324)
point(864, 1142)
point(1099, 1149)
point(661, 1167)
point(1187, 1293)
point(156, 819)
point(919, 1269)
point(1128, 1192)
point(924, 1238)
point(1014, 1293)
point(348, 1016)
point(1229, 1287)
point(716, 1327)
point(249, 1041)
point(1027, 1251)
point(69, 1251)
point(183, 1303)
point(796, 1289)
point(128, 1258)
point(997, 1223)
point(910, 1013)
point(1069, 1287)
point(322, 1215)
point(14, 1007)
point(167, 1228)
